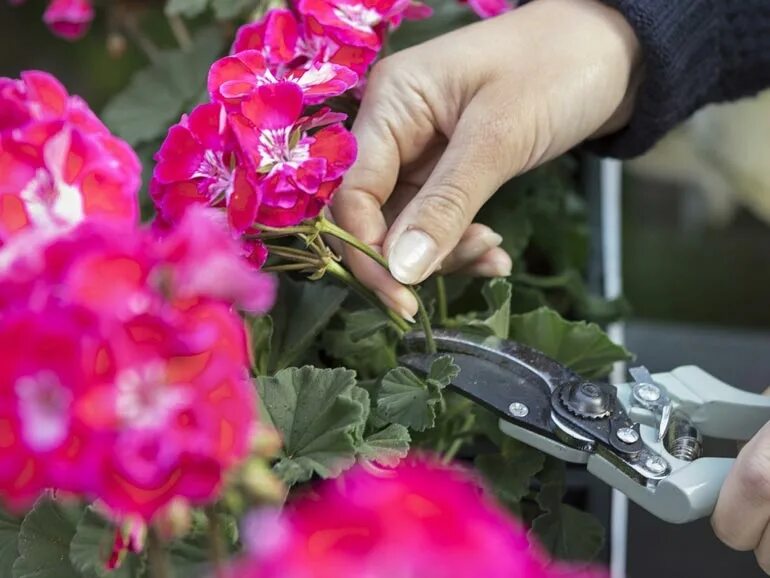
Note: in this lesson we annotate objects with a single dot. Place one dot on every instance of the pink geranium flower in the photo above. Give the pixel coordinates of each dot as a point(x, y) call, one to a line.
point(490, 8)
point(233, 78)
point(355, 22)
point(59, 163)
point(127, 378)
point(420, 519)
point(199, 163)
point(287, 43)
point(69, 19)
point(299, 172)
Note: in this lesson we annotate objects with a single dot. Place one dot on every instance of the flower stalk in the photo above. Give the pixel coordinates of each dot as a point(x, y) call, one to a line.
point(157, 556)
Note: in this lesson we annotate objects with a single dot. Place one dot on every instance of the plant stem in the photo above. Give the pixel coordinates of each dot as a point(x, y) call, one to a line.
point(289, 267)
point(326, 226)
point(286, 231)
point(144, 42)
point(216, 547)
point(157, 557)
point(294, 254)
point(441, 302)
point(181, 33)
point(458, 441)
point(338, 271)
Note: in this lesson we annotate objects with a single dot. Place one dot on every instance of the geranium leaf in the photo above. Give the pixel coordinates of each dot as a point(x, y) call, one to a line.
point(317, 412)
point(229, 9)
point(510, 472)
point(446, 17)
point(364, 322)
point(9, 533)
point(406, 399)
point(443, 370)
point(301, 312)
point(157, 95)
point(372, 353)
point(388, 446)
point(260, 338)
point(92, 545)
point(582, 346)
point(496, 320)
point(44, 542)
point(189, 8)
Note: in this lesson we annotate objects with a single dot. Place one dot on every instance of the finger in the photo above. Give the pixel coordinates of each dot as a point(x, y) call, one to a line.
point(467, 174)
point(494, 263)
point(357, 206)
point(743, 509)
point(475, 242)
point(762, 552)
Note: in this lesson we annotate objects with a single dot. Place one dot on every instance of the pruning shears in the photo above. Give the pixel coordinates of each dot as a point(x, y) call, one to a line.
point(643, 437)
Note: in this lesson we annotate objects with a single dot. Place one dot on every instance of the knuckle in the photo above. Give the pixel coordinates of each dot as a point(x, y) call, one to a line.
point(723, 534)
point(754, 477)
point(448, 201)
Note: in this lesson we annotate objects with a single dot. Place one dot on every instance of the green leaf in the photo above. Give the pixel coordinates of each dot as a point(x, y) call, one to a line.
point(317, 412)
point(497, 294)
point(388, 446)
point(158, 94)
point(261, 334)
point(446, 16)
point(525, 299)
point(510, 471)
point(301, 312)
point(188, 8)
point(408, 400)
point(364, 322)
point(371, 354)
point(9, 534)
point(443, 370)
point(44, 542)
point(229, 9)
point(92, 545)
point(582, 346)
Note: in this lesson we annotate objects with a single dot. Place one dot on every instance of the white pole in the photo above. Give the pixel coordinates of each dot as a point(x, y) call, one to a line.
point(611, 202)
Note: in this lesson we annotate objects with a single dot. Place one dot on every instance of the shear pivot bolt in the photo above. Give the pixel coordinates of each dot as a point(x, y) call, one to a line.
point(518, 409)
point(628, 435)
point(647, 392)
point(655, 465)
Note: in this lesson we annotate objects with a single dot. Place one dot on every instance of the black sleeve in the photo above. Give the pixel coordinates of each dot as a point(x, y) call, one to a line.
point(696, 52)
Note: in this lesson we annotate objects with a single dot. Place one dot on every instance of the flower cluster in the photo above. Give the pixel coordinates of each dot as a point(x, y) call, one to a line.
point(420, 519)
point(265, 148)
point(123, 375)
point(68, 19)
point(59, 163)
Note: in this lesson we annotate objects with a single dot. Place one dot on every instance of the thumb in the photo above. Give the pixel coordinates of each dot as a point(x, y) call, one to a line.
point(476, 163)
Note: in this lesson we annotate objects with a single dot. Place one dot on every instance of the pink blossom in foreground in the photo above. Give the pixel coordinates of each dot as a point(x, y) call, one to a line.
point(59, 163)
point(289, 44)
point(126, 375)
point(490, 8)
point(419, 519)
point(299, 172)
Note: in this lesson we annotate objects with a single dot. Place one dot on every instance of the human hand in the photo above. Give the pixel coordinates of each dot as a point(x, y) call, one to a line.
point(742, 515)
point(444, 124)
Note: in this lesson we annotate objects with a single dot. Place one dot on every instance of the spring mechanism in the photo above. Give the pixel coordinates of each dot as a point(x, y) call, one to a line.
point(683, 440)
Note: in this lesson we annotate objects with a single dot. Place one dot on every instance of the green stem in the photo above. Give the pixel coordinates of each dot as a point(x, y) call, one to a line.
point(293, 254)
point(286, 231)
point(216, 546)
point(289, 267)
point(441, 302)
point(180, 32)
point(157, 557)
point(459, 440)
point(338, 271)
point(326, 226)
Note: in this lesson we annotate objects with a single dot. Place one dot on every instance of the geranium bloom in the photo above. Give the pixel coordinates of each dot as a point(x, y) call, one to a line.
point(299, 171)
point(356, 22)
point(59, 163)
point(289, 44)
point(490, 8)
point(420, 519)
point(199, 163)
point(69, 19)
point(234, 77)
point(126, 375)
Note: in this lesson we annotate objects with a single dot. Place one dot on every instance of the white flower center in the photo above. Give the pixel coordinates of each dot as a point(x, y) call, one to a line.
point(44, 405)
point(145, 400)
point(276, 150)
point(220, 177)
point(358, 16)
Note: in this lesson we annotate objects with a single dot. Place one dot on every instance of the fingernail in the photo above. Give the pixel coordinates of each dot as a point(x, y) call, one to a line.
point(411, 256)
point(395, 306)
point(495, 239)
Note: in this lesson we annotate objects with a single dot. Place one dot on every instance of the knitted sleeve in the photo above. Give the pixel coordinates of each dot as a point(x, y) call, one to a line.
point(696, 52)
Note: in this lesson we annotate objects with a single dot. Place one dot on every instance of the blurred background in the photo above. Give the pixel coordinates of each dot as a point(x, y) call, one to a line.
point(696, 246)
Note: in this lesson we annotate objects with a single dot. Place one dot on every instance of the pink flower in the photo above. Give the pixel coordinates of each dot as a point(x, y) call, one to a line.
point(233, 78)
point(69, 19)
point(490, 8)
point(299, 171)
point(287, 43)
point(420, 519)
point(199, 163)
point(355, 22)
point(127, 378)
point(59, 163)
